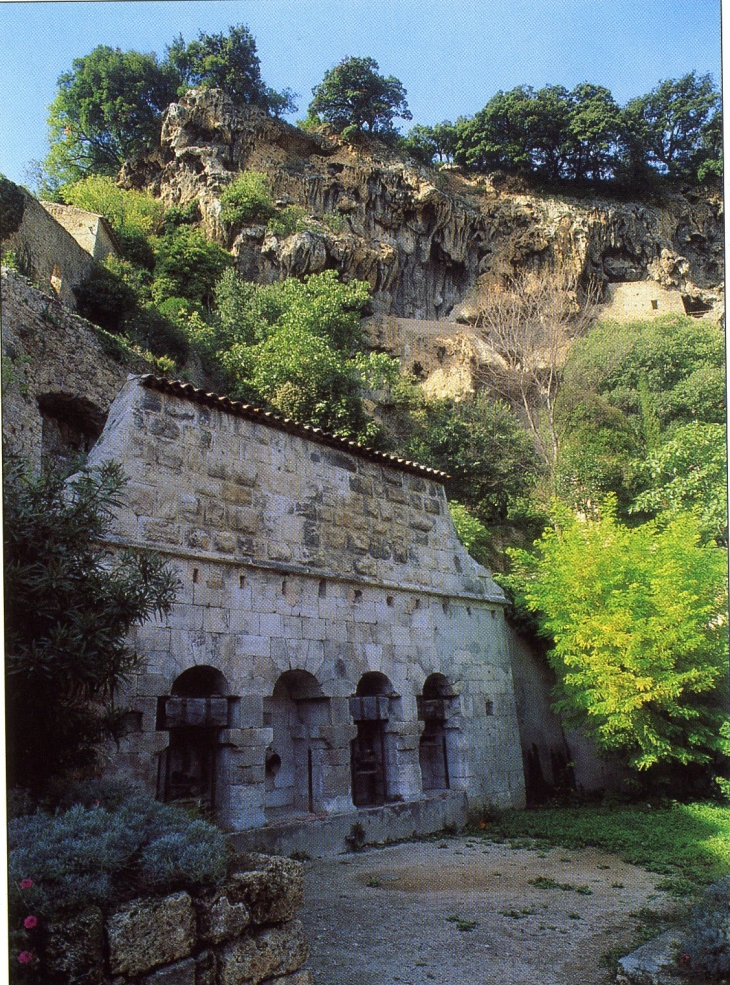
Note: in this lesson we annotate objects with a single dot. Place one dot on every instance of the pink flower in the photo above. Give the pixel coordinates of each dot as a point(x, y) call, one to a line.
point(26, 884)
point(25, 957)
point(30, 922)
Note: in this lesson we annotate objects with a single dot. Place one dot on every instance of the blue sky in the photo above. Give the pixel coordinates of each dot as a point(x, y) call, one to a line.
point(451, 55)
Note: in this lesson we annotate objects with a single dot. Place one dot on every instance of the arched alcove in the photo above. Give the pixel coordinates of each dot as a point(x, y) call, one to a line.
point(369, 750)
point(436, 747)
point(194, 714)
point(297, 710)
point(200, 682)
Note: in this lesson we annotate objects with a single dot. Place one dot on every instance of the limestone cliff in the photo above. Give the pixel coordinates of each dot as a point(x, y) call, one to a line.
point(420, 237)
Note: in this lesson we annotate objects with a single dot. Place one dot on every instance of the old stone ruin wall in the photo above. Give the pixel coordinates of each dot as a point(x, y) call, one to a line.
point(240, 933)
point(333, 651)
point(59, 375)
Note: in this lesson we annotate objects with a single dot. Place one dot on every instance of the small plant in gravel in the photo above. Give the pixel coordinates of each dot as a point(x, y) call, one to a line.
point(461, 924)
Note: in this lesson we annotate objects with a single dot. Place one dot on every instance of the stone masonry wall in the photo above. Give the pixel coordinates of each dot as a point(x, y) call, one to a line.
point(59, 374)
point(47, 252)
point(296, 557)
point(240, 933)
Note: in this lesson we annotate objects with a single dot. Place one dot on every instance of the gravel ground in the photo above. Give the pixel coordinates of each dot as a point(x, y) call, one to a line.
point(463, 911)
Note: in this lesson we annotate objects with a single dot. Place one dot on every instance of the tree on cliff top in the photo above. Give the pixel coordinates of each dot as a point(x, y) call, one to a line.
point(353, 98)
point(228, 62)
point(109, 106)
point(107, 109)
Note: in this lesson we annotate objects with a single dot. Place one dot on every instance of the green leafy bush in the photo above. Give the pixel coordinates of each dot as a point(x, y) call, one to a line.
point(247, 200)
point(129, 212)
point(69, 605)
point(291, 219)
point(637, 617)
point(187, 265)
point(472, 533)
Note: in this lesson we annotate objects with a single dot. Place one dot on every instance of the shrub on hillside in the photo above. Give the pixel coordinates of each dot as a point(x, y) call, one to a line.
point(247, 200)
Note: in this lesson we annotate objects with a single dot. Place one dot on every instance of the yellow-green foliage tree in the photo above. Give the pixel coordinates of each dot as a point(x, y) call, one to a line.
point(638, 620)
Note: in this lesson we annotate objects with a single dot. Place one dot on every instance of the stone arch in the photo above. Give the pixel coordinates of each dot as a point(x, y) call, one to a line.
point(201, 681)
point(194, 714)
point(439, 745)
point(299, 712)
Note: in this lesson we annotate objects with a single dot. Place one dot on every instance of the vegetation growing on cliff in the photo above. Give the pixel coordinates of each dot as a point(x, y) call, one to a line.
point(109, 108)
point(631, 412)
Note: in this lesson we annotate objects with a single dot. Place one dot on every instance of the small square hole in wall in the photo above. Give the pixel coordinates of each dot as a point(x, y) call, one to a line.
point(196, 576)
point(489, 706)
point(417, 604)
point(241, 581)
point(283, 586)
point(654, 305)
point(468, 610)
point(357, 595)
point(494, 613)
point(390, 601)
point(323, 588)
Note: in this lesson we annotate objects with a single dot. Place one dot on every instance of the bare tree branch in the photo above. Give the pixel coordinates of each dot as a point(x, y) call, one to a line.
point(527, 322)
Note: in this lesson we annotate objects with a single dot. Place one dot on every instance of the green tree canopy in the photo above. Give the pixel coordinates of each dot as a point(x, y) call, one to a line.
point(293, 346)
point(689, 472)
point(675, 122)
point(107, 110)
point(427, 142)
point(354, 98)
point(626, 389)
point(228, 62)
point(69, 604)
point(483, 446)
point(638, 620)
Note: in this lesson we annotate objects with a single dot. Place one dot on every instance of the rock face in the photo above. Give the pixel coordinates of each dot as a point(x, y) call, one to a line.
point(421, 238)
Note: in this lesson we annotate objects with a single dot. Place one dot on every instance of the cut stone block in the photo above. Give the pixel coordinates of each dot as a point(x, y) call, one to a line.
point(147, 934)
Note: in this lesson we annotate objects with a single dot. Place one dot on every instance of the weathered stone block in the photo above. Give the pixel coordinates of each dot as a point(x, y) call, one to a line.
point(180, 973)
point(219, 920)
point(160, 531)
point(145, 935)
point(206, 966)
point(74, 949)
point(272, 952)
point(271, 887)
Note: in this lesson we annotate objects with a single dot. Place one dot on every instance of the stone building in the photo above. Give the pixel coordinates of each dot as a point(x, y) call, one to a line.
point(333, 654)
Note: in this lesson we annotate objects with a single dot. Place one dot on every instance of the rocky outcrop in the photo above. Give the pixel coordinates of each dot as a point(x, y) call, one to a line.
point(423, 239)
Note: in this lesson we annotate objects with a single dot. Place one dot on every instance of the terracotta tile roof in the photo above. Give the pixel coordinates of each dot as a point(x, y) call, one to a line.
point(187, 391)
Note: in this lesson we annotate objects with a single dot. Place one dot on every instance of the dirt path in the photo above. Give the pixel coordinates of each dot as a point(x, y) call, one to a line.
point(465, 912)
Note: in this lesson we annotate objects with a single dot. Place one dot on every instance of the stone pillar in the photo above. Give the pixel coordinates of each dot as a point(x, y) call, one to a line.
point(333, 792)
point(242, 778)
point(403, 770)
